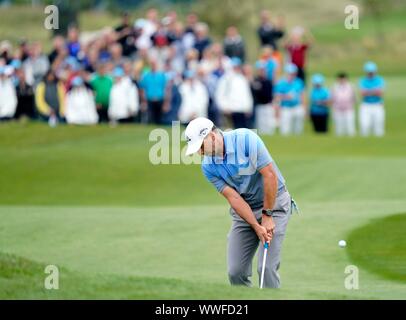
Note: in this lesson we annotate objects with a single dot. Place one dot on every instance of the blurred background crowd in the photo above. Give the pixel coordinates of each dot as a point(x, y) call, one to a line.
point(158, 69)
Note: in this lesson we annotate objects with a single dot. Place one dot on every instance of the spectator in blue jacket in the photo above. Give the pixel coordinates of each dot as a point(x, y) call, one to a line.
point(153, 84)
point(319, 104)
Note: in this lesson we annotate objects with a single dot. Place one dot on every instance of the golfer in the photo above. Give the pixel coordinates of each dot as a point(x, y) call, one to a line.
point(238, 164)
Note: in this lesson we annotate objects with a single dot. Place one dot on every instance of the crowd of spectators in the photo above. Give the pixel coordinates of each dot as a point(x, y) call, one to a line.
point(160, 69)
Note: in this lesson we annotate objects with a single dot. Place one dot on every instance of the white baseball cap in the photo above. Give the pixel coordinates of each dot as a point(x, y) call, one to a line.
point(195, 133)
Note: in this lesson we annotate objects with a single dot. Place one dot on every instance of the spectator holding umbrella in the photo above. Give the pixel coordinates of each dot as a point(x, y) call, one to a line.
point(319, 104)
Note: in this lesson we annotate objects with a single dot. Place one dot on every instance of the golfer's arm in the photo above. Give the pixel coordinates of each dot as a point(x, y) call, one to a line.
point(270, 186)
point(239, 205)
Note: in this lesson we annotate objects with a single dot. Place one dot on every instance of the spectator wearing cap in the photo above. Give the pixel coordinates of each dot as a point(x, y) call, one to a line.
point(50, 97)
point(194, 98)
point(268, 32)
point(371, 111)
point(234, 97)
point(262, 91)
point(153, 84)
point(272, 63)
point(25, 93)
point(234, 44)
point(72, 69)
point(102, 82)
point(343, 101)
point(290, 101)
point(124, 103)
point(80, 104)
point(297, 44)
point(8, 96)
point(319, 104)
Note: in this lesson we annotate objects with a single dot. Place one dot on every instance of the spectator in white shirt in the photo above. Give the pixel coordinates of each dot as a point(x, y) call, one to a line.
point(124, 103)
point(195, 98)
point(80, 104)
point(8, 96)
point(234, 97)
point(343, 101)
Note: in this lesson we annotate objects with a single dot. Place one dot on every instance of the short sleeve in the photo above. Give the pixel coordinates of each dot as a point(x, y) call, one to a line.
point(278, 87)
point(215, 180)
point(381, 83)
point(258, 154)
point(300, 85)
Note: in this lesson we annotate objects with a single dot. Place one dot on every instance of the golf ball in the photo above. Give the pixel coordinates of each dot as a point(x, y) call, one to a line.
point(342, 243)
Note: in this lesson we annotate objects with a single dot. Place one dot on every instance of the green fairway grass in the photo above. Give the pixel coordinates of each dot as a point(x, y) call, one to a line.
point(88, 200)
point(384, 253)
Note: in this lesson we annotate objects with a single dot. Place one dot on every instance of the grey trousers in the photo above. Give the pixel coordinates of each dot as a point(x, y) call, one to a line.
point(243, 243)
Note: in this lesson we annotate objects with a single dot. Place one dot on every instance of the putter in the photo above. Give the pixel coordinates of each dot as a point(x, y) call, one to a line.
point(266, 245)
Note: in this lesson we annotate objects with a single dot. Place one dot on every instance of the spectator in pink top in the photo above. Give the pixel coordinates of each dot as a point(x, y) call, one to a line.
point(297, 44)
point(343, 101)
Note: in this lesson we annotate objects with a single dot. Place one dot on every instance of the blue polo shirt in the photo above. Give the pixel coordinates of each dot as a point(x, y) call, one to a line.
point(294, 88)
point(316, 96)
point(154, 84)
point(271, 66)
point(245, 155)
point(375, 82)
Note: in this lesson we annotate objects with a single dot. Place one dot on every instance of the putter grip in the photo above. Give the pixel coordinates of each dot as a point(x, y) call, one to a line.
point(266, 245)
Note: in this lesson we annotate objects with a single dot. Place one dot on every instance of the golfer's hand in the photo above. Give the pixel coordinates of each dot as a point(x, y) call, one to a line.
point(262, 234)
point(269, 225)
